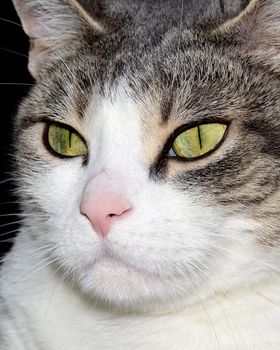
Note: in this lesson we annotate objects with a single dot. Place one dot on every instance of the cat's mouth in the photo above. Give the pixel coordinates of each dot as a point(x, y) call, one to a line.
point(113, 270)
point(118, 280)
point(110, 258)
point(113, 280)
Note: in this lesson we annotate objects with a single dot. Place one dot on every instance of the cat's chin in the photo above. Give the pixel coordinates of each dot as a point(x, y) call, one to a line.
point(112, 282)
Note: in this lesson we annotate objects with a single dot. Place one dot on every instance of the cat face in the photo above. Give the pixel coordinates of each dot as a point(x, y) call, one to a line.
point(130, 221)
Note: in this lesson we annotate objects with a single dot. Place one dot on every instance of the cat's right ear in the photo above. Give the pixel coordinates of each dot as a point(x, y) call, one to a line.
point(55, 27)
point(256, 31)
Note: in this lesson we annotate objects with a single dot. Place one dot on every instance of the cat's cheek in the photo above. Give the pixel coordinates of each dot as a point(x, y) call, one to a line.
point(62, 182)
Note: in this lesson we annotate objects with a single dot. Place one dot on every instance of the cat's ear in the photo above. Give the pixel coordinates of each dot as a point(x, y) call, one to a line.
point(53, 26)
point(257, 30)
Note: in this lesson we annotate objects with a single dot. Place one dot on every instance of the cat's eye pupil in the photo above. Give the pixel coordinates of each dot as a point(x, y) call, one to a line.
point(70, 134)
point(199, 137)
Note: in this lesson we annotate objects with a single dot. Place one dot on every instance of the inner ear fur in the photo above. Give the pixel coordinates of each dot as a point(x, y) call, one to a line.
point(53, 26)
point(256, 30)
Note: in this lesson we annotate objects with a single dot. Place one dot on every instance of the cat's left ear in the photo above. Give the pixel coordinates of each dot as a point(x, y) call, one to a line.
point(256, 31)
point(54, 28)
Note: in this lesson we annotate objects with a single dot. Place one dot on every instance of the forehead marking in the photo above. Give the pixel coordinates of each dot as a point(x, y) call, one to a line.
point(166, 106)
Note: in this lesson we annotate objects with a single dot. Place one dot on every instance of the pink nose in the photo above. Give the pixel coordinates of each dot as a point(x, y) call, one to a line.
point(103, 209)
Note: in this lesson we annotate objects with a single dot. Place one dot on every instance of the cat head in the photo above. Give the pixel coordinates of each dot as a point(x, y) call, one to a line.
point(148, 153)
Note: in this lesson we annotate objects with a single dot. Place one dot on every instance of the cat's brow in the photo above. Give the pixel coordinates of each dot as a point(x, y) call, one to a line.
point(28, 122)
point(166, 107)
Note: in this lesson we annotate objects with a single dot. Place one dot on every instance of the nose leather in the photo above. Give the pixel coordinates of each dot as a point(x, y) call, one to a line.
point(103, 204)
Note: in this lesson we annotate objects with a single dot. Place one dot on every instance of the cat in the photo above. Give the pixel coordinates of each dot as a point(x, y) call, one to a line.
point(148, 168)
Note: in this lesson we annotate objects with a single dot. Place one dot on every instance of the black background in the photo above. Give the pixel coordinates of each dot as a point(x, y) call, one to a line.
point(13, 72)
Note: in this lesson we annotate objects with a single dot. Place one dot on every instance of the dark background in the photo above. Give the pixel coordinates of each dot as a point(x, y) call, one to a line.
point(13, 72)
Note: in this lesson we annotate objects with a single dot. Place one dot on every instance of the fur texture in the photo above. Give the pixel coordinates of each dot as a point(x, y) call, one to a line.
point(195, 265)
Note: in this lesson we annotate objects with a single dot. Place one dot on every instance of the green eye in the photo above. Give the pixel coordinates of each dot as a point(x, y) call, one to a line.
point(198, 141)
point(66, 142)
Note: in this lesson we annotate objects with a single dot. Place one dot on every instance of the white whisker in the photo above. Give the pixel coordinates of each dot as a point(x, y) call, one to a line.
point(17, 84)
point(9, 21)
point(12, 51)
point(9, 232)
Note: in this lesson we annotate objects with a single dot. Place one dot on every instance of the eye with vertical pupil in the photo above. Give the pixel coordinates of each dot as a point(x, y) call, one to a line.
point(198, 141)
point(65, 141)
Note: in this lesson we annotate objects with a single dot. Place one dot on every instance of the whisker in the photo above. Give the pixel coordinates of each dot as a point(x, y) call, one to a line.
point(27, 215)
point(14, 84)
point(210, 322)
point(269, 265)
point(12, 223)
point(12, 51)
point(43, 251)
point(6, 240)
point(256, 326)
point(6, 203)
point(21, 221)
point(54, 289)
point(228, 319)
point(38, 267)
point(6, 180)
point(260, 312)
point(9, 233)
point(258, 262)
point(9, 21)
point(8, 215)
point(237, 307)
